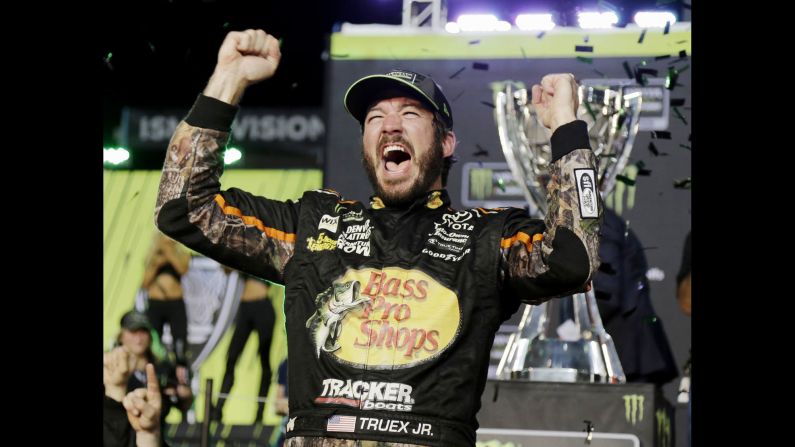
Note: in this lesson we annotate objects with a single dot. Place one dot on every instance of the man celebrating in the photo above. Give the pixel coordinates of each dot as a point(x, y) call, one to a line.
point(391, 308)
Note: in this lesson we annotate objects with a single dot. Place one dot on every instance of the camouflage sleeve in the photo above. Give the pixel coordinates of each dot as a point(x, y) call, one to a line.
point(250, 233)
point(559, 256)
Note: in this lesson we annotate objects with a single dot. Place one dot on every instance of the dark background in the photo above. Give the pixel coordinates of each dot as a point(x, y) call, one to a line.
point(162, 52)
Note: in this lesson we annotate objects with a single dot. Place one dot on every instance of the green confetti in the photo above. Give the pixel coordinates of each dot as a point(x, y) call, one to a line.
point(587, 60)
point(590, 111)
point(683, 184)
point(226, 25)
point(679, 115)
point(107, 58)
point(686, 147)
point(626, 180)
point(670, 78)
point(501, 184)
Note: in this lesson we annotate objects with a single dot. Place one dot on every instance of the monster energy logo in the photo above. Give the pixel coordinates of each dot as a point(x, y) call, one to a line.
point(633, 407)
point(663, 428)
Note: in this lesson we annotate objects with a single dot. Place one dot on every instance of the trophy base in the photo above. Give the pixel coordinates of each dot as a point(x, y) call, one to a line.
point(570, 375)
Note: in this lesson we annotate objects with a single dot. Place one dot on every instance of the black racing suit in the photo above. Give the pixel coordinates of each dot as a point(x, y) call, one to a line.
point(390, 313)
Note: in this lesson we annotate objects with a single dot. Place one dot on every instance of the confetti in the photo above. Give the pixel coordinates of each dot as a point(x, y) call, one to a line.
point(457, 72)
point(683, 184)
point(679, 115)
point(642, 36)
point(480, 66)
point(584, 48)
point(661, 134)
point(671, 77)
point(590, 111)
point(587, 60)
point(540, 35)
point(626, 180)
point(628, 70)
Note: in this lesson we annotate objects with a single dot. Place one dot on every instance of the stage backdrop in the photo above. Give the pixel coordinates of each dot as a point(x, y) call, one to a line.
point(129, 201)
point(657, 205)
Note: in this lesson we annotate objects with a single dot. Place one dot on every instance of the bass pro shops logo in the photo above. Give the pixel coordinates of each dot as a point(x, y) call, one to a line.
point(397, 319)
point(332, 305)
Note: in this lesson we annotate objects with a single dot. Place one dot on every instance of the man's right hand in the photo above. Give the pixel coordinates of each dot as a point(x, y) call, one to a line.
point(245, 58)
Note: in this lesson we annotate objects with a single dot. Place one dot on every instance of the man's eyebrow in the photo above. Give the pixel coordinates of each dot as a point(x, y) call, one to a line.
point(401, 107)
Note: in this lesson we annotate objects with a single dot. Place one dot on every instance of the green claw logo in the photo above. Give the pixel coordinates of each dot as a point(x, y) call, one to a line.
point(624, 185)
point(633, 407)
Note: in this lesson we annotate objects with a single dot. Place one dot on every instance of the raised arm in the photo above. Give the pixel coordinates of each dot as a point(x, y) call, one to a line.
point(559, 257)
point(234, 227)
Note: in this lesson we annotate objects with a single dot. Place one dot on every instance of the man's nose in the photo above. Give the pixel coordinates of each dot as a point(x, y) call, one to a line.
point(392, 123)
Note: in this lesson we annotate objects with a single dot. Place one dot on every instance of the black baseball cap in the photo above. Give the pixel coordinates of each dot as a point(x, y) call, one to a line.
point(362, 93)
point(134, 320)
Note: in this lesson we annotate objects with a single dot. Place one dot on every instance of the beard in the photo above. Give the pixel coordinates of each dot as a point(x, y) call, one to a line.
point(429, 165)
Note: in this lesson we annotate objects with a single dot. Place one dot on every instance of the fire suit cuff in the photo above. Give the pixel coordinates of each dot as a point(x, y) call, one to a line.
point(569, 137)
point(211, 113)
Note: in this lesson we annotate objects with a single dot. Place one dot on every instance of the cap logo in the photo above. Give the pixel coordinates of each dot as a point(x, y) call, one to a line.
point(402, 74)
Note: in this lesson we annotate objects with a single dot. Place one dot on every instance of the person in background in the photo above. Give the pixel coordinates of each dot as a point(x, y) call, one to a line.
point(254, 314)
point(134, 349)
point(166, 263)
point(623, 296)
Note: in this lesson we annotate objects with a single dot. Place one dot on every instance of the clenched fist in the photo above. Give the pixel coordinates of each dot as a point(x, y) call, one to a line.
point(245, 58)
point(555, 100)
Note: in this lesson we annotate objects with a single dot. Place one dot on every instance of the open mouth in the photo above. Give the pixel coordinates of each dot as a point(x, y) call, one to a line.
point(396, 158)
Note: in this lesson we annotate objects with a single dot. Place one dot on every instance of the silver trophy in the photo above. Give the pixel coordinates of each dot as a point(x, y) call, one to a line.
point(563, 340)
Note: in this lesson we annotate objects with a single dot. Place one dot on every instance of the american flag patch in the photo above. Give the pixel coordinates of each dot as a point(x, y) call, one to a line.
point(341, 423)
